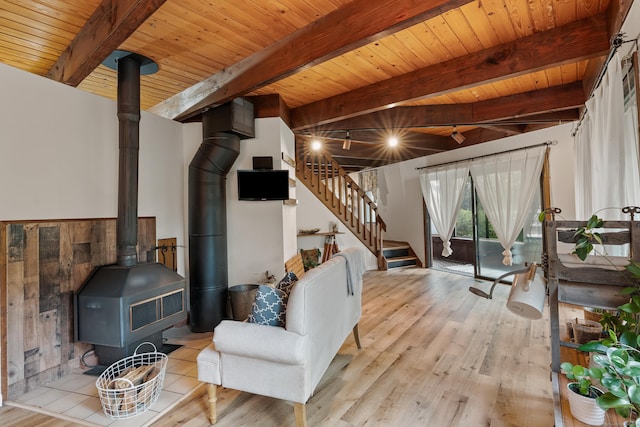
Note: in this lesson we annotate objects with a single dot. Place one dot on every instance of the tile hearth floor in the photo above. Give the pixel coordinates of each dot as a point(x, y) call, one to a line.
point(75, 396)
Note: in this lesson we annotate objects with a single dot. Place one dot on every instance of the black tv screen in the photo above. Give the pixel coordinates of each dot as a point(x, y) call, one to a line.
point(263, 184)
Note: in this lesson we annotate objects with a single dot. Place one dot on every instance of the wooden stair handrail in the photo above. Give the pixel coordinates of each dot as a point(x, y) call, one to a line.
point(331, 184)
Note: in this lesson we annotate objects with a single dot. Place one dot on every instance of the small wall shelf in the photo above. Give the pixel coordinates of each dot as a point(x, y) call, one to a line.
point(328, 233)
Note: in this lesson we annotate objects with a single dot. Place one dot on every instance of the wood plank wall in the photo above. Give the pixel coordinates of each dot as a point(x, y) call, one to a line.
point(42, 264)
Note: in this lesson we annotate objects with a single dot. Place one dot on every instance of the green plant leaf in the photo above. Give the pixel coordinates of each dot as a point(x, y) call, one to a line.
point(597, 237)
point(634, 269)
point(623, 411)
point(614, 385)
point(583, 251)
point(609, 400)
point(593, 347)
point(596, 372)
point(578, 371)
point(541, 216)
point(594, 222)
point(628, 308)
point(579, 232)
point(632, 369)
point(629, 338)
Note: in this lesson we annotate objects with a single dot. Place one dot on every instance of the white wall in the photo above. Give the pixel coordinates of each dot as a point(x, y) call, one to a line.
point(260, 235)
point(59, 156)
point(401, 198)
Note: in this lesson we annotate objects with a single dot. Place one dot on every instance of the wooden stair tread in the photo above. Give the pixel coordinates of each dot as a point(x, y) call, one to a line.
point(393, 244)
point(401, 258)
point(395, 248)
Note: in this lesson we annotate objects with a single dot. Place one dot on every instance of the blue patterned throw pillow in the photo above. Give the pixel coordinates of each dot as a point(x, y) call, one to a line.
point(269, 307)
point(287, 282)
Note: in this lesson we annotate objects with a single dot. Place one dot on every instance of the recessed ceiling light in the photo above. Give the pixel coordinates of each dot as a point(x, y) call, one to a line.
point(316, 145)
point(393, 141)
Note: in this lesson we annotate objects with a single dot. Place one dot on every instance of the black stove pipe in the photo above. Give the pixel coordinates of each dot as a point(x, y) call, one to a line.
point(129, 144)
point(208, 271)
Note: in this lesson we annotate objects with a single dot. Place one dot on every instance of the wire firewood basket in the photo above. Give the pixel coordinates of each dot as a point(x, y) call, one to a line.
point(131, 385)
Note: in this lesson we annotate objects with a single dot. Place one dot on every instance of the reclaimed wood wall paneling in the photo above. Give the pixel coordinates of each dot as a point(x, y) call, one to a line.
point(42, 264)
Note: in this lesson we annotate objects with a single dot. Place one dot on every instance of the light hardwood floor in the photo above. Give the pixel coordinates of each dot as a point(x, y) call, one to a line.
point(433, 355)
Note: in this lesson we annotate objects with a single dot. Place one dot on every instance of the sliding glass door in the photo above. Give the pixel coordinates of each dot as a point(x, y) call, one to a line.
point(526, 249)
point(476, 249)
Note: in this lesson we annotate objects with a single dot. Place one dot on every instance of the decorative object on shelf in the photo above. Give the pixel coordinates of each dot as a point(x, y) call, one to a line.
point(583, 395)
point(617, 369)
point(310, 258)
point(268, 279)
point(330, 247)
point(585, 330)
point(309, 231)
point(333, 227)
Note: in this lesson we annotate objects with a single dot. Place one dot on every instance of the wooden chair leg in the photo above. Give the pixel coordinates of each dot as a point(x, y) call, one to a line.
point(211, 391)
point(356, 336)
point(300, 410)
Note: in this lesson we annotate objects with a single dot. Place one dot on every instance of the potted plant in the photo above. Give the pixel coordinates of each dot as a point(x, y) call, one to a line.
point(583, 395)
point(618, 369)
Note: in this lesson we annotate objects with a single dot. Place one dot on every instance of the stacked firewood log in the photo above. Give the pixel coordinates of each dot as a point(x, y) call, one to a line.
point(126, 393)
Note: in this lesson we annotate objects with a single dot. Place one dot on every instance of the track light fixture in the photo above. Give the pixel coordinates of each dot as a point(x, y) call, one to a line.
point(346, 145)
point(457, 136)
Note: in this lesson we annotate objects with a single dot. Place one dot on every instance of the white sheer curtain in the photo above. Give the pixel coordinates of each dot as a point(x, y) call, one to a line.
point(507, 186)
point(607, 151)
point(442, 191)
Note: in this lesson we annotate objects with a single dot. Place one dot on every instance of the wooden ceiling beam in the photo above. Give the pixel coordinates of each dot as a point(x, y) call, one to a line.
point(553, 99)
point(553, 118)
point(580, 40)
point(404, 117)
point(480, 135)
point(108, 27)
point(527, 104)
point(506, 128)
point(354, 25)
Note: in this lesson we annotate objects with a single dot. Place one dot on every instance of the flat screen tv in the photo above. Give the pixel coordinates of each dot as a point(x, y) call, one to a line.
point(263, 184)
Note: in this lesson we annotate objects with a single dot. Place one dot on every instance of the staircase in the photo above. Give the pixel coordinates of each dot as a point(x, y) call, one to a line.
point(331, 184)
point(399, 254)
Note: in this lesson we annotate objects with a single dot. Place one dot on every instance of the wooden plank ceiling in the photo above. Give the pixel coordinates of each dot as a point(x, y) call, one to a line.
point(491, 68)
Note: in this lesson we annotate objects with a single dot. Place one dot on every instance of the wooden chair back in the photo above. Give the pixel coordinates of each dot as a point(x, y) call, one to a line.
point(296, 265)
